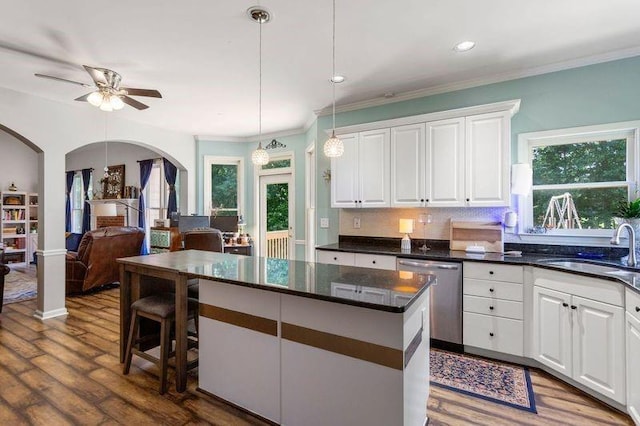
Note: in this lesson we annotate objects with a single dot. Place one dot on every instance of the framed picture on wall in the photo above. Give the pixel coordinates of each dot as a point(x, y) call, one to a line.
point(113, 184)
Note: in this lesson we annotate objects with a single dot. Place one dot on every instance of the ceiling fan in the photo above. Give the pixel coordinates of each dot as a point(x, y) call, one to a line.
point(108, 95)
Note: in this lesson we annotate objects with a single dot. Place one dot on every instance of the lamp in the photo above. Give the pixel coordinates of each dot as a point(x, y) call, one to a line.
point(406, 228)
point(333, 147)
point(260, 156)
point(105, 209)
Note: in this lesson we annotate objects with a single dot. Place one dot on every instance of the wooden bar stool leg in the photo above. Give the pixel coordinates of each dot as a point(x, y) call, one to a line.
point(165, 344)
point(132, 332)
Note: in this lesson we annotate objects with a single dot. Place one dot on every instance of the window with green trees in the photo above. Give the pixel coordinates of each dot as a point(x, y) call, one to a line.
point(580, 177)
point(224, 189)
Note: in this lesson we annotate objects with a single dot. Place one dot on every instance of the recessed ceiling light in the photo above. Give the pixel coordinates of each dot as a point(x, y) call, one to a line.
point(464, 46)
point(337, 78)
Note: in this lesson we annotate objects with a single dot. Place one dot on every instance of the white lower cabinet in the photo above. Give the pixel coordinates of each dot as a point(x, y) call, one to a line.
point(579, 337)
point(336, 257)
point(633, 354)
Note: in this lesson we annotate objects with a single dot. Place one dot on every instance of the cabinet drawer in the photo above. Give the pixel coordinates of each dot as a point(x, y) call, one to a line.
point(376, 261)
point(336, 257)
point(245, 250)
point(493, 289)
point(493, 333)
point(493, 271)
point(633, 304)
point(495, 307)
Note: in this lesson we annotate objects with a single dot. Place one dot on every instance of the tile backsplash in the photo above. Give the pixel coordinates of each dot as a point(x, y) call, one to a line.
point(384, 222)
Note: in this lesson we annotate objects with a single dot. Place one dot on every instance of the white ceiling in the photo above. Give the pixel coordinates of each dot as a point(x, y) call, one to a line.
point(202, 54)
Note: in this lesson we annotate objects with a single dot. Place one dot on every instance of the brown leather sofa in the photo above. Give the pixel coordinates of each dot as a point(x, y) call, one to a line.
point(204, 239)
point(94, 264)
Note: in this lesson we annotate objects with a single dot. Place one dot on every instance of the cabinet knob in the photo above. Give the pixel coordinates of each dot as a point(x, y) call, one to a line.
point(565, 304)
point(491, 334)
point(467, 200)
point(335, 258)
point(422, 200)
point(374, 262)
point(491, 308)
point(490, 272)
point(637, 308)
point(427, 200)
point(491, 290)
point(574, 307)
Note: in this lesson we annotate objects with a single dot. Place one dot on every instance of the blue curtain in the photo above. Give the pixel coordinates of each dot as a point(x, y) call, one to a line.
point(145, 173)
point(86, 211)
point(67, 213)
point(170, 175)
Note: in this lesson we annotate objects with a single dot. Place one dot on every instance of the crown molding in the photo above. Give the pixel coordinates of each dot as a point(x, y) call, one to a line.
point(483, 81)
point(253, 138)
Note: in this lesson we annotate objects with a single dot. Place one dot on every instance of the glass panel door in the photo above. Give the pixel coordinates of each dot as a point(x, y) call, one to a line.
point(276, 216)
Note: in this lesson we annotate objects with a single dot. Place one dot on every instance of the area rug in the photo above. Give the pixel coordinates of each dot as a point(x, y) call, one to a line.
point(490, 380)
point(18, 287)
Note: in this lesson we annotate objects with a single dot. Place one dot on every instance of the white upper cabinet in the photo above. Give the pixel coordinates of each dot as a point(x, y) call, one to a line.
point(444, 171)
point(360, 177)
point(488, 159)
point(407, 166)
point(344, 174)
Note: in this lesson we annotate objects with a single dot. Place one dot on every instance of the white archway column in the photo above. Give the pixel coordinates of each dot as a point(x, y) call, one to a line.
point(51, 256)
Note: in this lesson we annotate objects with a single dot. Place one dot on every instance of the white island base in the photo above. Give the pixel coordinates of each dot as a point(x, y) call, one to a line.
point(296, 360)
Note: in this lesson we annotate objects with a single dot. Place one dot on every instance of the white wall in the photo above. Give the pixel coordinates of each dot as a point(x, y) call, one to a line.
point(117, 153)
point(18, 164)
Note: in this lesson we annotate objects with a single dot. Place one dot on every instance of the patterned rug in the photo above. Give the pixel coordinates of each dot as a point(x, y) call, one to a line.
point(490, 380)
point(19, 286)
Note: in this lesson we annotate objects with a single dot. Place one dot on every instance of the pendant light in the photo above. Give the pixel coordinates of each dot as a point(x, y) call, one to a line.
point(260, 156)
point(333, 147)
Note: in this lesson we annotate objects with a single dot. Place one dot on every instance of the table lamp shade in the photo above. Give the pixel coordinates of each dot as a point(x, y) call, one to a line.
point(105, 209)
point(406, 226)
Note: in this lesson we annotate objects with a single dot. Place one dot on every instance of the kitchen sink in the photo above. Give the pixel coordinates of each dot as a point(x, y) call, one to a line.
point(585, 267)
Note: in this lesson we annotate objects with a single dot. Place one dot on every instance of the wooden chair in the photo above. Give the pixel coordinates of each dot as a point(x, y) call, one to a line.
point(160, 308)
point(202, 239)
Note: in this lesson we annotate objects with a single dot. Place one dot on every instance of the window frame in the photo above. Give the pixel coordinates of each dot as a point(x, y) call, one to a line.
point(164, 194)
point(528, 141)
point(210, 160)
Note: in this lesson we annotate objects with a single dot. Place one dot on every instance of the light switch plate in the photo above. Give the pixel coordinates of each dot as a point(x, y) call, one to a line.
point(356, 222)
point(324, 222)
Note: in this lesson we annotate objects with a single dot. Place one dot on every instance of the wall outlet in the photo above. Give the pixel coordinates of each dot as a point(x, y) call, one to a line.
point(324, 222)
point(356, 222)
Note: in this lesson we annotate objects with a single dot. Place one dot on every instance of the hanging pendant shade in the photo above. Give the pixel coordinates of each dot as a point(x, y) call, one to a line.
point(260, 156)
point(333, 147)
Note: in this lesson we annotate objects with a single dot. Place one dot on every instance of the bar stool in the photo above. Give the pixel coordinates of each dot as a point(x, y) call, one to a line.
point(160, 308)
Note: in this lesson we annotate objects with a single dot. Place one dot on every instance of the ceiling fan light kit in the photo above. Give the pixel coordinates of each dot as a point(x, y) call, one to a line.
point(108, 95)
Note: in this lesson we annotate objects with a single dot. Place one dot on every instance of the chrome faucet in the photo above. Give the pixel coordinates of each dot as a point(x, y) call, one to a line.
point(631, 261)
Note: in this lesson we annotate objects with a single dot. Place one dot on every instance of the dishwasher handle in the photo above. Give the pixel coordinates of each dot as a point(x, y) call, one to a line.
point(429, 265)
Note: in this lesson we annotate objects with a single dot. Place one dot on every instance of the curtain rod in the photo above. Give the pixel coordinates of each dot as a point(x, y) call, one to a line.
point(79, 170)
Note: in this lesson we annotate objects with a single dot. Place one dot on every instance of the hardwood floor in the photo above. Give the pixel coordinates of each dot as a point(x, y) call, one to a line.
point(66, 371)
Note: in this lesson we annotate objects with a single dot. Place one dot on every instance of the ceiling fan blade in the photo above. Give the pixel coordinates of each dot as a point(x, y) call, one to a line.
point(83, 98)
point(62, 79)
point(132, 102)
point(142, 92)
point(96, 75)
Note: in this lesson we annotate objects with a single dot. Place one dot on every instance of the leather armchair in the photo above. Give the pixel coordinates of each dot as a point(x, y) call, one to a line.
point(94, 264)
point(204, 239)
point(4, 270)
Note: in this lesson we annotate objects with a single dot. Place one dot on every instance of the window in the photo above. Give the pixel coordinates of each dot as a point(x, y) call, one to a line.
point(580, 176)
point(157, 193)
point(77, 201)
point(223, 185)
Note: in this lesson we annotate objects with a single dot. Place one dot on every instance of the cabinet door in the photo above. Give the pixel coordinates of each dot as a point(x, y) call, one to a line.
point(407, 166)
point(633, 372)
point(487, 157)
point(374, 295)
point(344, 174)
point(346, 291)
point(373, 167)
point(552, 329)
point(598, 347)
point(444, 171)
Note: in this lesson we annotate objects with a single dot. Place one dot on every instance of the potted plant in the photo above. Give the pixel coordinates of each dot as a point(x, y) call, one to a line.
point(628, 212)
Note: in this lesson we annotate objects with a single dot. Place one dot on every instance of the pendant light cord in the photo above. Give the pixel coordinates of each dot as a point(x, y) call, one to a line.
point(333, 69)
point(260, 83)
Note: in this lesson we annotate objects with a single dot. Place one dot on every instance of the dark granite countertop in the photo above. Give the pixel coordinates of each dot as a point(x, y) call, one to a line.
point(312, 280)
point(439, 251)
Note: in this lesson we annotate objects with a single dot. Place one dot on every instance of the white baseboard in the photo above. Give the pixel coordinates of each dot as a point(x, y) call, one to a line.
point(50, 314)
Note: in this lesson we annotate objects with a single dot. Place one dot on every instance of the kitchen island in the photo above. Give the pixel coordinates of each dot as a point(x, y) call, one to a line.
point(303, 343)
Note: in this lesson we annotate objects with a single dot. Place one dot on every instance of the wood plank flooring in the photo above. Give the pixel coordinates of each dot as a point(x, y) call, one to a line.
point(66, 371)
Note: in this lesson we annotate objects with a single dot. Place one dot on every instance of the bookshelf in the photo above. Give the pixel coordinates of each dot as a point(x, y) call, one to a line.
point(14, 226)
point(32, 225)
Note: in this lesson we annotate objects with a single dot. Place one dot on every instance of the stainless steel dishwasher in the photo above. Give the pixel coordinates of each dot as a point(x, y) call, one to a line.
point(446, 300)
